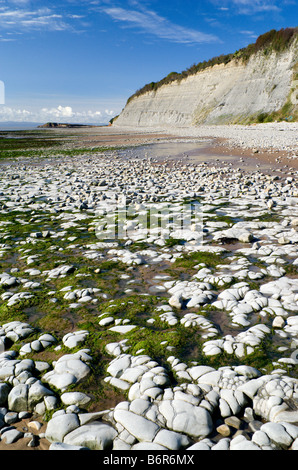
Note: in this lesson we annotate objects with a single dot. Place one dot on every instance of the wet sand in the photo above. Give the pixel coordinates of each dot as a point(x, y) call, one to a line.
point(170, 147)
point(22, 444)
point(208, 149)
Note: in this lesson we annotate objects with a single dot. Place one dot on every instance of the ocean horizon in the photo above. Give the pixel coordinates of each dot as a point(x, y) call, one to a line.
point(27, 126)
point(18, 126)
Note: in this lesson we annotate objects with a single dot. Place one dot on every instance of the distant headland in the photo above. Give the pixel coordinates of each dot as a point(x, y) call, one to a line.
point(65, 125)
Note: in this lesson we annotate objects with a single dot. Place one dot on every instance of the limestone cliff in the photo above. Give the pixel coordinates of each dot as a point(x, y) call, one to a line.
point(238, 91)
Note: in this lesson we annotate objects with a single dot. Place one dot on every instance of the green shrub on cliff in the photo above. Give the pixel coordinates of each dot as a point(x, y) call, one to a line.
point(271, 41)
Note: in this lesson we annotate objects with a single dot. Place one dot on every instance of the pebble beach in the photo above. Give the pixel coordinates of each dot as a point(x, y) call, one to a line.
point(158, 337)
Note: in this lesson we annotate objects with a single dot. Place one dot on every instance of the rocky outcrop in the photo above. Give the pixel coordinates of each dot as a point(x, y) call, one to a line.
point(62, 125)
point(226, 93)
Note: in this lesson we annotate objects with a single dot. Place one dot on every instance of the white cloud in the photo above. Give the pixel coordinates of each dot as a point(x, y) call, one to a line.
point(248, 33)
point(250, 7)
point(25, 16)
point(150, 22)
point(60, 113)
point(24, 19)
point(20, 2)
point(11, 114)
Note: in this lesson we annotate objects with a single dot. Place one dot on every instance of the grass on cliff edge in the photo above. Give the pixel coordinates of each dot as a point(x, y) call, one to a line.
point(271, 41)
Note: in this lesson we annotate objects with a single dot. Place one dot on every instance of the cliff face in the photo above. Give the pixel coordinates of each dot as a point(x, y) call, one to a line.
point(222, 94)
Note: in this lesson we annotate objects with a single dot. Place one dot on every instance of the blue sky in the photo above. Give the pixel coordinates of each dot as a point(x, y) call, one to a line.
point(79, 60)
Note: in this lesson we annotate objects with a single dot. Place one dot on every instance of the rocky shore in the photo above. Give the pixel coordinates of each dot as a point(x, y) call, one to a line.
point(171, 337)
point(279, 136)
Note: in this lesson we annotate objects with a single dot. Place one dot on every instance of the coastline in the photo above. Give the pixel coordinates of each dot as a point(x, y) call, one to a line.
point(271, 136)
point(272, 143)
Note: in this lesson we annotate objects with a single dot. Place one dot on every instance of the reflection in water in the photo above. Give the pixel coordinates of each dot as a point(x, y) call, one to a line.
point(173, 150)
point(192, 152)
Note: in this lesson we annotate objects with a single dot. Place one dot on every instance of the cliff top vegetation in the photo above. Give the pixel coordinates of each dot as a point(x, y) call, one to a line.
point(273, 40)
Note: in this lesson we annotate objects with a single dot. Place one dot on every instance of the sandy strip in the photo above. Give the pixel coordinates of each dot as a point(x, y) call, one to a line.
point(274, 145)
